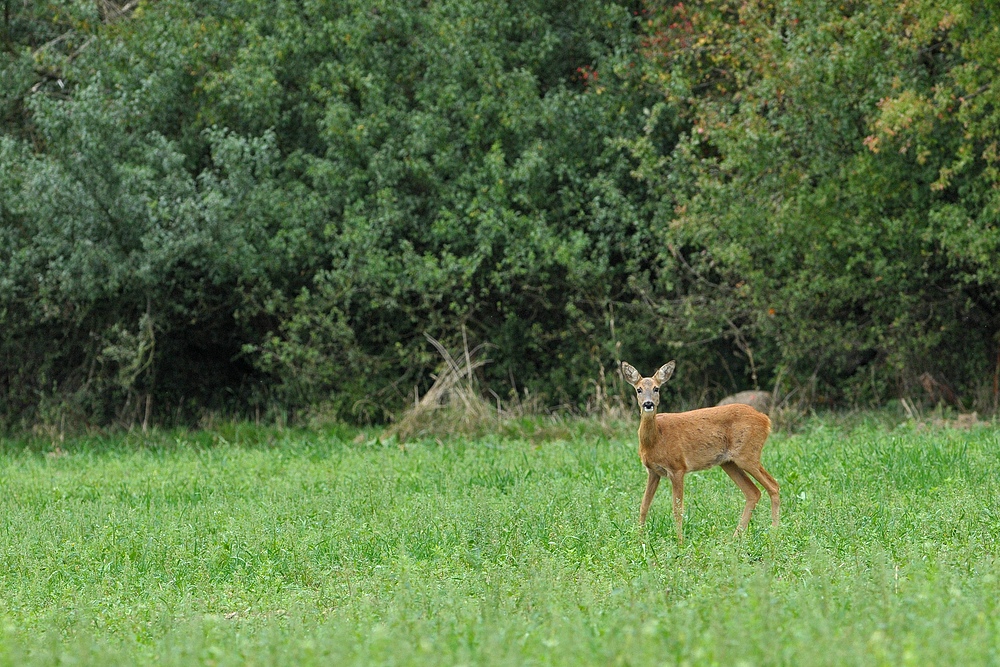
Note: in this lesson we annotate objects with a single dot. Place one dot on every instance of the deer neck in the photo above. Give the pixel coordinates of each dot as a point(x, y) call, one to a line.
point(648, 431)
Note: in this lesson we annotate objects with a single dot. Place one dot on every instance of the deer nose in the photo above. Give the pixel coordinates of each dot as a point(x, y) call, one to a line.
point(648, 405)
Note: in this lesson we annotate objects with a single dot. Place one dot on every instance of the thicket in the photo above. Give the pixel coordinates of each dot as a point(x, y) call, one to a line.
point(256, 207)
point(833, 196)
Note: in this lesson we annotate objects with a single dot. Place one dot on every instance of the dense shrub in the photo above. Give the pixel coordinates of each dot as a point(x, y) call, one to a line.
point(221, 206)
point(833, 199)
point(243, 207)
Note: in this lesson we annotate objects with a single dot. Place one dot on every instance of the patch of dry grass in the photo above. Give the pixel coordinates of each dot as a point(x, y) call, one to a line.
point(456, 405)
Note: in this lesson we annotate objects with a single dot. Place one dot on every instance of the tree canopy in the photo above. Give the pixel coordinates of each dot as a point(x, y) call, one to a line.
point(242, 206)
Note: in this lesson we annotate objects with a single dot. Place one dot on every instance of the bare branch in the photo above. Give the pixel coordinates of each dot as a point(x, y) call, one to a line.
point(52, 42)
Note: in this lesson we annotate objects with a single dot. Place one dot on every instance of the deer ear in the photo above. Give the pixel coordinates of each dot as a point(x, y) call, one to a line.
point(662, 375)
point(631, 375)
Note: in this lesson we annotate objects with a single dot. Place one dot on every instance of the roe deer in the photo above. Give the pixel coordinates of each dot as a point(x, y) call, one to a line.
point(673, 444)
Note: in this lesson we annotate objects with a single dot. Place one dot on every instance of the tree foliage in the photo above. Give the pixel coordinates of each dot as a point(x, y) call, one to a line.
point(832, 198)
point(218, 205)
point(233, 206)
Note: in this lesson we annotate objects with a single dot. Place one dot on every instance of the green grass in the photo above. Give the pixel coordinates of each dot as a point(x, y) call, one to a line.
point(264, 547)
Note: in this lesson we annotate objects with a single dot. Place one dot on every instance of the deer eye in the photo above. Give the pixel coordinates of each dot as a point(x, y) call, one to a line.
point(638, 391)
point(656, 390)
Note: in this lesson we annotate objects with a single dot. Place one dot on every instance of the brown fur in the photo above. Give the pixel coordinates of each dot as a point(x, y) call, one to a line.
point(674, 444)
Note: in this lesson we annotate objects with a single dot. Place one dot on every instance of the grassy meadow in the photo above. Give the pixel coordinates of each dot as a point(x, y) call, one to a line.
point(242, 545)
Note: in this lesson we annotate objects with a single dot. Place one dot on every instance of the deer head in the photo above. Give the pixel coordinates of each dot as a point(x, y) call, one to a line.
point(647, 390)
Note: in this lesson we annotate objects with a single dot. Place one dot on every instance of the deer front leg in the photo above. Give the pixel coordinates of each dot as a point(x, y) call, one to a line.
point(677, 483)
point(652, 482)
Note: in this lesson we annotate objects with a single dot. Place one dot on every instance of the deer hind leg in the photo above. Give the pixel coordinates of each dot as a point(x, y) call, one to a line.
point(652, 482)
point(770, 485)
point(749, 490)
